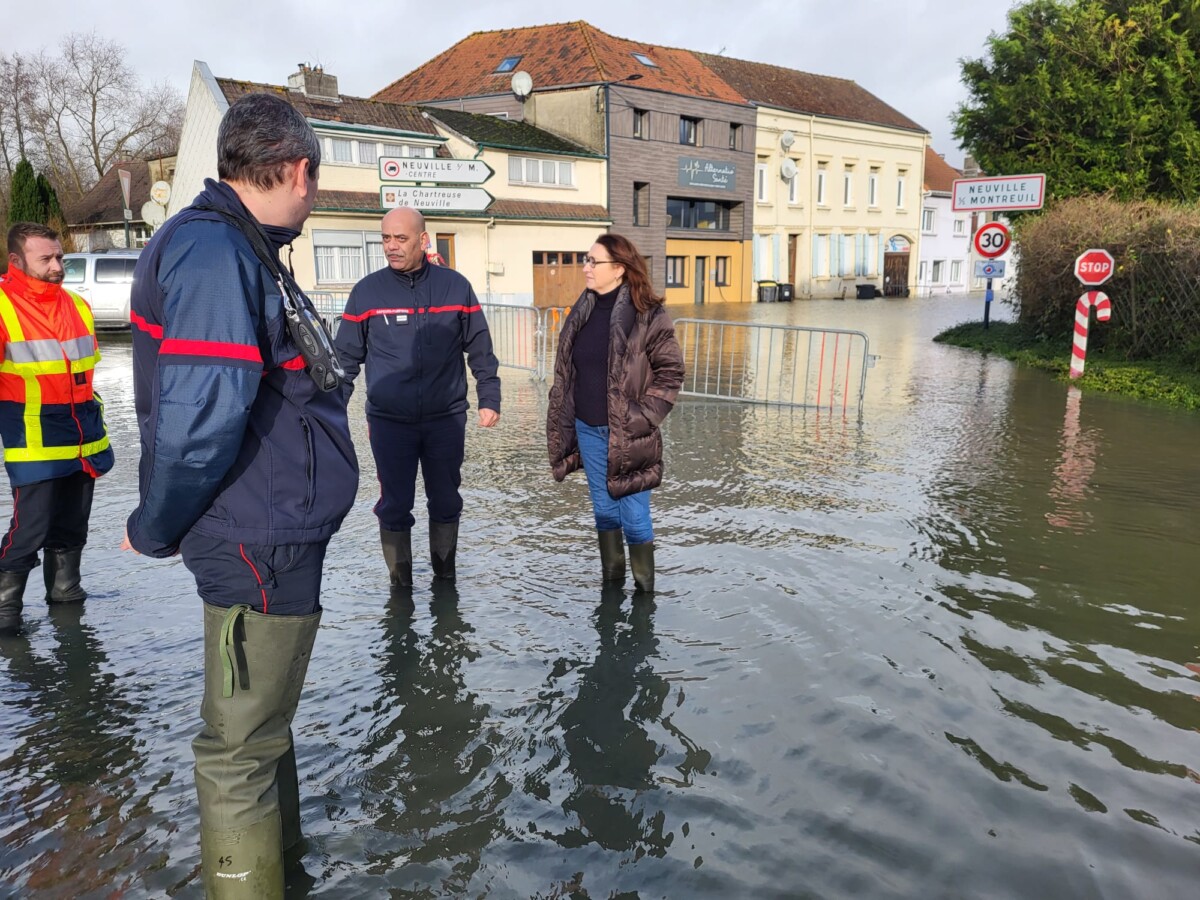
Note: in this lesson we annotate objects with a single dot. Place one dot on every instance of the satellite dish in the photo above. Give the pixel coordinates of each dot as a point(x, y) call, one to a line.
point(786, 140)
point(787, 170)
point(522, 84)
point(153, 214)
point(160, 192)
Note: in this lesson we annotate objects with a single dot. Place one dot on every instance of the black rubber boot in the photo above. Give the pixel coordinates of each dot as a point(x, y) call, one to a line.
point(12, 593)
point(254, 668)
point(60, 569)
point(612, 556)
point(641, 562)
point(397, 553)
point(443, 542)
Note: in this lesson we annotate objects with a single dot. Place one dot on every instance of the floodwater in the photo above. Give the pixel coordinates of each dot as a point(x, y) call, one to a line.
point(942, 650)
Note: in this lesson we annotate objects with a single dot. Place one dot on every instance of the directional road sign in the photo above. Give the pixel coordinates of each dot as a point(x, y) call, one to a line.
point(435, 199)
point(438, 171)
point(992, 239)
point(1095, 266)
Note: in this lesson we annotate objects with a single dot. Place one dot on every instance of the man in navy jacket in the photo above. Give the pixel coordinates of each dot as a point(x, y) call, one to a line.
point(411, 323)
point(247, 469)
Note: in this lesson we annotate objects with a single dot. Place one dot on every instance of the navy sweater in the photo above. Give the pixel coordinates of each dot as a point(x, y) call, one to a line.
point(590, 356)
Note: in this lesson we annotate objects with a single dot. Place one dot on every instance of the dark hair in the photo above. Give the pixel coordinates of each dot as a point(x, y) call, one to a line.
point(259, 136)
point(622, 251)
point(22, 231)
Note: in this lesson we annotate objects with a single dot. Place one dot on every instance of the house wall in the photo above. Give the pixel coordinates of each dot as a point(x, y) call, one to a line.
point(945, 251)
point(813, 228)
point(197, 158)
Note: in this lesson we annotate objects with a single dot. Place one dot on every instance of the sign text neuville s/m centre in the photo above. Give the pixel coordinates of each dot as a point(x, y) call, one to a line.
point(1008, 192)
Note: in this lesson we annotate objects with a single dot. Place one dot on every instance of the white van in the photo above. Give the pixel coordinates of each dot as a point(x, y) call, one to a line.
point(104, 278)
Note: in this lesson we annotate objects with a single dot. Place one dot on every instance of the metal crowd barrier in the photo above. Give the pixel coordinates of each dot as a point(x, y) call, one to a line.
point(329, 306)
point(786, 365)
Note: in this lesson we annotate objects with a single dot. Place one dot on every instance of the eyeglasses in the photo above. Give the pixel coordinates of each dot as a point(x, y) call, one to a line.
point(593, 262)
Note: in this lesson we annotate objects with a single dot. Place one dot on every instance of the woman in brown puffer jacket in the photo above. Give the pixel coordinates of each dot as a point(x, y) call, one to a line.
point(616, 376)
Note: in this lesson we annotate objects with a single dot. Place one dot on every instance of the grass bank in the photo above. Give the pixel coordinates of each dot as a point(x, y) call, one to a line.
point(1174, 381)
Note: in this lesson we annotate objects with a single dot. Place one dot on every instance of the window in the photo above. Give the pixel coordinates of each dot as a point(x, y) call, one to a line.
point(900, 179)
point(508, 64)
point(339, 150)
point(410, 150)
point(820, 184)
point(676, 268)
point(820, 255)
point(921, 271)
point(721, 271)
point(848, 186)
point(345, 256)
point(960, 227)
point(701, 214)
point(367, 153)
point(847, 255)
point(641, 203)
point(956, 271)
point(527, 170)
point(938, 266)
point(735, 136)
point(689, 130)
point(114, 271)
point(641, 124)
point(760, 182)
point(74, 270)
point(644, 60)
point(927, 221)
point(794, 188)
point(873, 187)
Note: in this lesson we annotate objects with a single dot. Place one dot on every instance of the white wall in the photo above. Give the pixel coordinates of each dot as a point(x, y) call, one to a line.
point(945, 249)
point(198, 139)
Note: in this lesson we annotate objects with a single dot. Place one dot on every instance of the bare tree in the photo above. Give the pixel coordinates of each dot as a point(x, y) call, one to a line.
point(91, 110)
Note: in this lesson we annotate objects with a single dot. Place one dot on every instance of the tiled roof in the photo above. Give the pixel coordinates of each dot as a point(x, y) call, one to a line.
point(104, 204)
point(349, 110)
point(502, 209)
point(570, 53)
point(512, 135)
point(820, 95)
point(939, 174)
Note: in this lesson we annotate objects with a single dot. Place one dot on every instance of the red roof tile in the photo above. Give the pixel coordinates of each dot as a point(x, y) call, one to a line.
point(572, 53)
point(820, 95)
point(939, 174)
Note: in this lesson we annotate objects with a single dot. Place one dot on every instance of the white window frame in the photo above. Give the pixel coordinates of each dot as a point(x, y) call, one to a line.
point(760, 182)
point(820, 255)
point(936, 271)
point(873, 189)
point(794, 187)
point(960, 227)
point(901, 184)
point(956, 271)
point(343, 257)
point(928, 218)
point(821, 184)
point(848, 186)
point(539, 171)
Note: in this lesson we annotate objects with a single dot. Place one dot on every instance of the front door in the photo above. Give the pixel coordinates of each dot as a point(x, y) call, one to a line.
point(895, 274)
point(701, 272)
point(557, 277)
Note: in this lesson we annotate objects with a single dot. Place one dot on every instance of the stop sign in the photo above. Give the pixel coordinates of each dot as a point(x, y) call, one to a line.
point(1095, 266)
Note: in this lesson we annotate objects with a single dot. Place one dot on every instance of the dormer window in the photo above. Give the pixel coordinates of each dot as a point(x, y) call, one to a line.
point(644, 60)
point(508, 64)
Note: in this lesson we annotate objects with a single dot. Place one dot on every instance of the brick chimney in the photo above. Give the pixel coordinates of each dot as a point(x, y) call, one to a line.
point(314, 83)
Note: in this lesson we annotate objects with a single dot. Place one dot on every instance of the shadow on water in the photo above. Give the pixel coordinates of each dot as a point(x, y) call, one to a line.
point(74, 752)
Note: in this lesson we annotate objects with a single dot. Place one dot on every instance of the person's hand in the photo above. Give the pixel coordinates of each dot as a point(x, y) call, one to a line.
point(125, 545)
point(488, 418)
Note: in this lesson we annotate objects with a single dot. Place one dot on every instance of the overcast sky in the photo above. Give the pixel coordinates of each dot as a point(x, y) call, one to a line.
point(905, 53)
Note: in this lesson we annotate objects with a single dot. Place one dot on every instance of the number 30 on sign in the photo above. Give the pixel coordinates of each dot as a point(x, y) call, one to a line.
point(991, 240)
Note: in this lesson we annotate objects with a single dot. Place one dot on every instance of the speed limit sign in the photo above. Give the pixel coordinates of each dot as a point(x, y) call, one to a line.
point(991, 240)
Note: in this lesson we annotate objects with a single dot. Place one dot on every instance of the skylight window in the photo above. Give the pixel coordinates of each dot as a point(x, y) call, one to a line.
point(508, 63)
point(644, 60)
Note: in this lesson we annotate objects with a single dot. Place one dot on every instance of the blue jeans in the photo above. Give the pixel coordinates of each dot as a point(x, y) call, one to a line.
point(630, 513)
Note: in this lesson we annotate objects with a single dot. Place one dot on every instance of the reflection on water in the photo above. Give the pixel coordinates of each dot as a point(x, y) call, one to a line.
point(945, 649)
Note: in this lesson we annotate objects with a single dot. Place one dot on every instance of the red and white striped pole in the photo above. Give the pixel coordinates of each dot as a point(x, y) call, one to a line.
point(1083, 310)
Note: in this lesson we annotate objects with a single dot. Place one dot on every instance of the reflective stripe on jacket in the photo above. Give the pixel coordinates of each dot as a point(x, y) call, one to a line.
point(51, 420)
